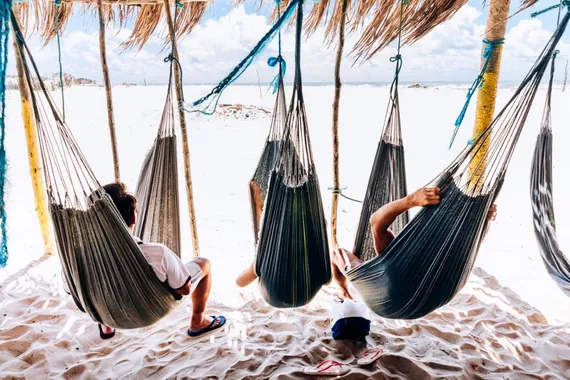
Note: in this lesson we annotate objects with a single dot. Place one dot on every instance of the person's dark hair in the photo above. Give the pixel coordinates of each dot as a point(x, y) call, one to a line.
point(125, 202)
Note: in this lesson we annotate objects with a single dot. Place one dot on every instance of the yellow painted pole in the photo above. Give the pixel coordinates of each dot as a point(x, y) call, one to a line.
point(487, 95)
point(184, 135)
point(36, 170)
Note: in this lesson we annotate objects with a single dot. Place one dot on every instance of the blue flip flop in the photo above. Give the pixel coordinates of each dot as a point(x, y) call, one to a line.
point(210, 327)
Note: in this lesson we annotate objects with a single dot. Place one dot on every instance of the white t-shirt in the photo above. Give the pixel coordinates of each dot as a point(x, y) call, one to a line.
point(165, 264)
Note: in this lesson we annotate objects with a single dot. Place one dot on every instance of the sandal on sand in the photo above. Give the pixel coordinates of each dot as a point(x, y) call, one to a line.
point(370, 356)
point(210, 327)
point(327, 368)
point(104, 335)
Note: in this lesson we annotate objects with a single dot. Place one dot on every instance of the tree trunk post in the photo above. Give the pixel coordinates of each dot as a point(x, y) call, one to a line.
point(184, 134)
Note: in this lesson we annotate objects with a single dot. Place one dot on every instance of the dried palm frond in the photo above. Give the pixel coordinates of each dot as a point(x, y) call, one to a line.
point(418, 19)
point(145, 24)
point(146, 14)
point(149, 17)
point(49, 26)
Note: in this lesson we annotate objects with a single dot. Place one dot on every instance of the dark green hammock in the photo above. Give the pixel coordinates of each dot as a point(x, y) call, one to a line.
point(157, 189)
point(108, 276)
point(260, 181)
point(556, 263)
point(292, 259)
point(430, 260)
point(387, 181)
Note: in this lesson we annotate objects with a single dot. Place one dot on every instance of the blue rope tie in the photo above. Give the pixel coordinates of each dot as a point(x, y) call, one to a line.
point(57, 4)
point(179, 4)
point(272, 62)
point(477, 83)
point(5, 7)
point(207, 105)
point(172, 58)
point(563, 3)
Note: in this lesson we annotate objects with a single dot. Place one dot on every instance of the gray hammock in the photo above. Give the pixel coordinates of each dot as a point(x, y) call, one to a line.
point(108, 276)
point(556, 263)
point(430, 260)
point(387, 181)
point(157, 189)
point(260, 181)
point(292, 259)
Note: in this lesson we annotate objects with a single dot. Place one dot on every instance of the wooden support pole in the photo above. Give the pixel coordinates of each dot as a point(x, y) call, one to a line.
point(36, 171)
point(335, 110)
point(107, 82)
point(184, 134)
point(487, 95)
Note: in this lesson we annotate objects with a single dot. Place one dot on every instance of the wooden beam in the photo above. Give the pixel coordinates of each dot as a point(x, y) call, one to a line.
point(487, 95)
point(107, 82)
point(184, 133)
point(36, 171)
point(335, 115)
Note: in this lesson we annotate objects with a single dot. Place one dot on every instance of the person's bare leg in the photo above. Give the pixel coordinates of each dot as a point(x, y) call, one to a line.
point(342, 260)
point(258, 204)
point(247, 276)
point(200, 296)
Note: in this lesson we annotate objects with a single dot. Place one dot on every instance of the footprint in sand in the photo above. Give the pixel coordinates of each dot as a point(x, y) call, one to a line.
point(15, 348)
point(15, 332)
point(74, 372)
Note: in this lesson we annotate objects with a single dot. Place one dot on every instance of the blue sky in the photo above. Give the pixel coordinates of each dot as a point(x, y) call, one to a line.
point(226, 34)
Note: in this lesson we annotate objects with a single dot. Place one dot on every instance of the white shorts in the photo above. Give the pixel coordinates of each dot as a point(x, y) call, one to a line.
point(196, 273)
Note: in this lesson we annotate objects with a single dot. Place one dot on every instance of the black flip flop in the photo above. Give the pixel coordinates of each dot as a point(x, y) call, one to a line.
point(210, 327)
point(103, 335)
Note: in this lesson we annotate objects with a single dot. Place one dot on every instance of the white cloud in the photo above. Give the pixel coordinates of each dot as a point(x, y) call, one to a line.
point(451, 52)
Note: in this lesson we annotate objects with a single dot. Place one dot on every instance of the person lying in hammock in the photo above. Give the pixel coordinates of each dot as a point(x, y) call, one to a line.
point(193, 278)
point(380, 222)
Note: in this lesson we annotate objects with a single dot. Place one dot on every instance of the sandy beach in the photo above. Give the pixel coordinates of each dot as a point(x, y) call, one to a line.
point(510, 321)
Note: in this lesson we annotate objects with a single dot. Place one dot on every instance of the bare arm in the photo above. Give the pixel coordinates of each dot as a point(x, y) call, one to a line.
point(382, 219)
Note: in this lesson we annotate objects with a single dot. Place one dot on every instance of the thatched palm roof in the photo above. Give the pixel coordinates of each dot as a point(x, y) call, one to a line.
point(379, 20)
point(146, 15)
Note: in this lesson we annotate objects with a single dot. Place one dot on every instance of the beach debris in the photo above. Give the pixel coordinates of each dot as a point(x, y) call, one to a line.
point(241, 112)
point(417, 85)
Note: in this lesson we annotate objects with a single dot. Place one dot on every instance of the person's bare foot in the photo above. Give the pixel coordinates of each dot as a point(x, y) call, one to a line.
point(424, 197)
point(107, 330)
point(246, 277)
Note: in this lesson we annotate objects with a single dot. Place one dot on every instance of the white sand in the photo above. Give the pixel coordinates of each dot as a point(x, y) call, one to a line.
point(488, 330)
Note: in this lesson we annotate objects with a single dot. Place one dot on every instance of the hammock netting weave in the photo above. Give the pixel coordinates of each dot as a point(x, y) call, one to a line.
point(430, 260)
point(556, 263)
point(157, 188)
point(292, 259)
point(260, 181)
point(108, 276)
point(387, 181)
